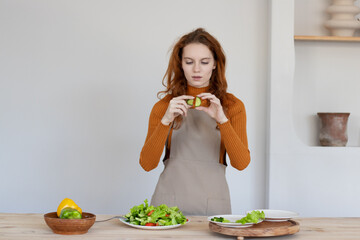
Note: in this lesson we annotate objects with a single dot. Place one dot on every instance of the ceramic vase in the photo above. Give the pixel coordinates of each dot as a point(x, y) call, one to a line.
point(343, 22)
point(333, 129)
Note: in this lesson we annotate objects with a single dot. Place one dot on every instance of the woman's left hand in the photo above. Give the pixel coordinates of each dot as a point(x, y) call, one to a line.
point(215, 110)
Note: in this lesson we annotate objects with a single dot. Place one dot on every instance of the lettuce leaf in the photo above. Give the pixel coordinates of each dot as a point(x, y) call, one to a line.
point(161, 215)
point(252, 217)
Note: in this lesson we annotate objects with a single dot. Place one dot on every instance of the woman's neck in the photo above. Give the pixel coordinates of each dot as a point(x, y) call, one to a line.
point(193, 91)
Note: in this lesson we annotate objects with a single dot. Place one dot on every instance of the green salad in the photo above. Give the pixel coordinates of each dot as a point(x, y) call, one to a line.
point(251, 217)
point(162, 215)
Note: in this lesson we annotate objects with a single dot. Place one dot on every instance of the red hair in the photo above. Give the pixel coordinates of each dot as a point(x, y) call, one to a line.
point(174, 79)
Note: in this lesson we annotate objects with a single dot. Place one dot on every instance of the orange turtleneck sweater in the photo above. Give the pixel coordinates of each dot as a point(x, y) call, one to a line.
point(233, 133)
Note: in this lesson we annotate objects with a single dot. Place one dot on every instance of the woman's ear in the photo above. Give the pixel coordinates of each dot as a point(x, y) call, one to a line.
point(214, 66)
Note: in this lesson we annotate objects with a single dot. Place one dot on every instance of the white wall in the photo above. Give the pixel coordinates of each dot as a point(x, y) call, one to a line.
point(77, 83)
point(325, 76)
point(311, 180)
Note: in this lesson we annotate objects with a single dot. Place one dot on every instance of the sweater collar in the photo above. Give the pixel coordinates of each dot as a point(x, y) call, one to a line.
point(193, 91)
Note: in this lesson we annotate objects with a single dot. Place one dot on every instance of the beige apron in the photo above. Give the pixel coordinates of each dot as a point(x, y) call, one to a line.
point(193, 179)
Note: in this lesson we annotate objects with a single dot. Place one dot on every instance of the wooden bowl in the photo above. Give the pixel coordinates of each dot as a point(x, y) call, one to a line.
point(69, 226)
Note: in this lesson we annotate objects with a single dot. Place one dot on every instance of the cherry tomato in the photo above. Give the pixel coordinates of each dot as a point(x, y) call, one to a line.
point(150, 224)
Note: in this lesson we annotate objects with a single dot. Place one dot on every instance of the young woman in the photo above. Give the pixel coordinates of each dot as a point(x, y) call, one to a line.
point(196, 139)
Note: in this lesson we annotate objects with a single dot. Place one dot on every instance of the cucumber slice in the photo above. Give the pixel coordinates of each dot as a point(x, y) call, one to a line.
point(191, 102)
point(197, 101)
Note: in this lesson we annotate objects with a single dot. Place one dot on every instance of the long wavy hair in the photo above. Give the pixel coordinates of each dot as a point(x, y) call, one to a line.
point(174, 79)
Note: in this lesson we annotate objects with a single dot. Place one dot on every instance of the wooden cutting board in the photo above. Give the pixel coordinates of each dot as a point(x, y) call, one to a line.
point(263, 229)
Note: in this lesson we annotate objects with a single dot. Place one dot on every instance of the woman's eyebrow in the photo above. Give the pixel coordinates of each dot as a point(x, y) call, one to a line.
point(205, 58)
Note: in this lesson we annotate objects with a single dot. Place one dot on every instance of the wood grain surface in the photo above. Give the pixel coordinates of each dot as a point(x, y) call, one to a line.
point(15, 226)
point(263, 229)
point(327, 38)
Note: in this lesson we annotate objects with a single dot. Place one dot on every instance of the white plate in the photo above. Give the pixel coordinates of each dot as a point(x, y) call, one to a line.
point(152, 227)
point(232, 219)
point(277, 215)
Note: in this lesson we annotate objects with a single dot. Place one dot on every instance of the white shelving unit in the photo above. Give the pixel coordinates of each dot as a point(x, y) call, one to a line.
point(326, 38)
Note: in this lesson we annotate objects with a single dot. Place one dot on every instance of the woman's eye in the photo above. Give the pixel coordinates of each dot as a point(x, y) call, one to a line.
point(204, 63)
point(188, 62)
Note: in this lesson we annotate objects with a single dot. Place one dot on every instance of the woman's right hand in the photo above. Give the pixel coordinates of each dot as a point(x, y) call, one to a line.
point(177, 106)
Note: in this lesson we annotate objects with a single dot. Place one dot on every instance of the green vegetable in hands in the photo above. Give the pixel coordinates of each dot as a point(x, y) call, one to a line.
point(197, 102)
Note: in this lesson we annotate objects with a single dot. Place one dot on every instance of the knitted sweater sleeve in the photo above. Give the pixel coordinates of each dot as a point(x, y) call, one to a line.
point(156, 138)
point(233, 134)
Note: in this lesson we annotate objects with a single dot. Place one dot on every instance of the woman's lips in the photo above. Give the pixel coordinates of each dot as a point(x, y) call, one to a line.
point(196, 77)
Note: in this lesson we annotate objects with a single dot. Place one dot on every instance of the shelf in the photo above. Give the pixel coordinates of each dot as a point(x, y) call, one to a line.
point(326, 38)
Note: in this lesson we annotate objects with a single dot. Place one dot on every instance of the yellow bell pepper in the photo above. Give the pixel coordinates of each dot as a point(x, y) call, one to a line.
point(67, 203)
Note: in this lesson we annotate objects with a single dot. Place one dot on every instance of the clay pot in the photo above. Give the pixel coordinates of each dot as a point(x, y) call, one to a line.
point(333, 129)
point(70, 226)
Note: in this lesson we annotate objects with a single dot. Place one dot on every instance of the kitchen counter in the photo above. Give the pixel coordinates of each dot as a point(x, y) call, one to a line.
point(33, 226)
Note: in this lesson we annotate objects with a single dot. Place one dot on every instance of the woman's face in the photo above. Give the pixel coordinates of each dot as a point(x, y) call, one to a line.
point(198, 64)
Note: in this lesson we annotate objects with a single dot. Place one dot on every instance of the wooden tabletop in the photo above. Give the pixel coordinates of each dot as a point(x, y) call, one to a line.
point(33, 226)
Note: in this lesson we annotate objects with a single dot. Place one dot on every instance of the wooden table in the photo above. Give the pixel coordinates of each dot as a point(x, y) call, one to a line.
point(33, 226)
